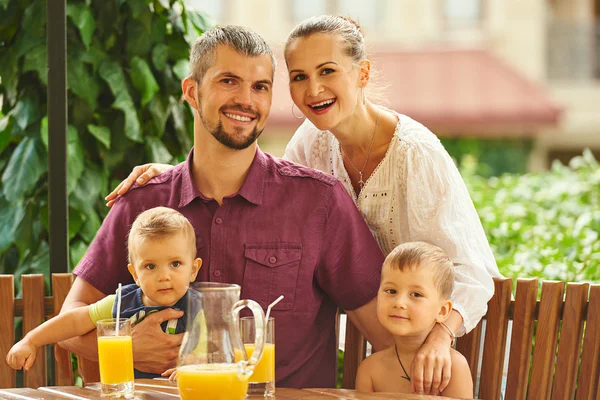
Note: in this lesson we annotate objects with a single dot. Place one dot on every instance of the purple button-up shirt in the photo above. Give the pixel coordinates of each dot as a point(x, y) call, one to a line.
point(289, 230)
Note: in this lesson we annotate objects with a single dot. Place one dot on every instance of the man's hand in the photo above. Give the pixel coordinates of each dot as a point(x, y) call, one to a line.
point(153, 350)
point(430, 371)
point(22, 355)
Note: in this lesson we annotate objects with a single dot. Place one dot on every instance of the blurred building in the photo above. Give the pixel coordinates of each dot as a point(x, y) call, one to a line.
point(476, 68)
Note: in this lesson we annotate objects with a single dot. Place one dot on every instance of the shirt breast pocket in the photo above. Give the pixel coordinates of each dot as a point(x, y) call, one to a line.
point(272, 270)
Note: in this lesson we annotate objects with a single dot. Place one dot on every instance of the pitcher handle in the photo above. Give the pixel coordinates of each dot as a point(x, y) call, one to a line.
point(259, 333)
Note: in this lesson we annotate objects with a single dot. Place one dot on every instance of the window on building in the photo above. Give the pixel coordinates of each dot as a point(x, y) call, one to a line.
point(463, 13)
point(215, 9)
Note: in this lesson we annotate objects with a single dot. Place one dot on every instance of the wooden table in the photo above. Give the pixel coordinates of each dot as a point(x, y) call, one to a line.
point(149, 389)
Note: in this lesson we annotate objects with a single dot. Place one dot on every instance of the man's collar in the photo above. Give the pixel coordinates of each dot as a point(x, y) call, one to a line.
point(252, 189)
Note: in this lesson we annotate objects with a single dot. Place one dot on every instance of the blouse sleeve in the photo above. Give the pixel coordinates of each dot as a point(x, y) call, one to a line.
point(441, 212)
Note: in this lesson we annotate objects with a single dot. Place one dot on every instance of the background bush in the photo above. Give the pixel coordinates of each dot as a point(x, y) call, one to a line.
point(542, 225)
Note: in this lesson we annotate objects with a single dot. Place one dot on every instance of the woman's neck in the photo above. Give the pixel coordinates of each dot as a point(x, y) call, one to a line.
point(356, 133)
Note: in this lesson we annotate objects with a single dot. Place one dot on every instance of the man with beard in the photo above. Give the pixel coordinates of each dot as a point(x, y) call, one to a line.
point(271, 226)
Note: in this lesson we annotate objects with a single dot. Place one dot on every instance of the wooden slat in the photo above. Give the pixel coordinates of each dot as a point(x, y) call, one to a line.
point(569, 345)
point(495, 339)
point(7, 329)
point(521, 338)
point(33, 315)
point(61, 284)
point(544, 352)
point(589, 374)
point(469, 345)
point(48, 307)
point(354, 353)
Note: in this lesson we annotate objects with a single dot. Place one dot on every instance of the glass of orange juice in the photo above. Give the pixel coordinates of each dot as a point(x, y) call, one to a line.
point(262, 380)
point(115, 356)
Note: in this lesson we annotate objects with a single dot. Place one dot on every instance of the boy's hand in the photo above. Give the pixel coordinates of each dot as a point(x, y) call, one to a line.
point(21, 355)
point(171, 373)
point(153, 350)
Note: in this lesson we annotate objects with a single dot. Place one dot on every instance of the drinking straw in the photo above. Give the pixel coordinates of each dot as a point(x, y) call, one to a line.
point(271, 306)
point(118, 307)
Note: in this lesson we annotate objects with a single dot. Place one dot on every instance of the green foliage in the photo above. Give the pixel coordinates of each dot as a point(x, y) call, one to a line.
point(496, 156)
point(125, 60)
point(542, 225)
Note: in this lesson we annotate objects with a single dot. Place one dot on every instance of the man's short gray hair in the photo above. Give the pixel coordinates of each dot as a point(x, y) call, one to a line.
point(239, 38)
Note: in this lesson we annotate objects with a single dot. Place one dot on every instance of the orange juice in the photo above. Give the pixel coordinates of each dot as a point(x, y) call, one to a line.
point(115, 356)
point(211, 382)
point(265, 369)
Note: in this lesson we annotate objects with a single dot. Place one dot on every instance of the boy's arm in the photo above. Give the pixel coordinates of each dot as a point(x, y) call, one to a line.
point(82, 294)
point(364, 383)
point(64, 326)
point(461, 383)
point(76, 322)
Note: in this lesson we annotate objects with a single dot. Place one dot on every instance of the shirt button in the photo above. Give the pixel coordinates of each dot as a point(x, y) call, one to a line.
point(272, 259)
point(219, 220)
point(217, 273)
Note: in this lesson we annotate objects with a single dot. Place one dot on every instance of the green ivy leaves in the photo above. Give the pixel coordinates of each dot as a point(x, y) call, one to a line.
point(124, 60)
point(143, 79)
point(25, 167)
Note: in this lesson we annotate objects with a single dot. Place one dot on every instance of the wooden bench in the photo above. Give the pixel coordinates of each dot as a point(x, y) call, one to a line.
point(35, 308)
point(551, 368)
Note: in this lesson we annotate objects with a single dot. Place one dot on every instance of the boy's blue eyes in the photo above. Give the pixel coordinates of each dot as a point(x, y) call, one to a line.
point(175, 264)
point(150, 266)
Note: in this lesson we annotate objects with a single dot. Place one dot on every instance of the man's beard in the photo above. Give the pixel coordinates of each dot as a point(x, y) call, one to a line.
point(234, 141)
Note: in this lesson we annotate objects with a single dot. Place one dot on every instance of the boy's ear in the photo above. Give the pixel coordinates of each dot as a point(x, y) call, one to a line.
point(132, 272)
point(195, 268)
point(445, 311)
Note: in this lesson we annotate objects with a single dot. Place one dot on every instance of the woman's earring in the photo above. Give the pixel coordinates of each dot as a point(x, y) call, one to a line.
point(363, 95)
point(294, 114)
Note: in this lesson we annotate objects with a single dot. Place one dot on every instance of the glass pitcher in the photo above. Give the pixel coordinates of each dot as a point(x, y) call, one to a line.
point(212, 360)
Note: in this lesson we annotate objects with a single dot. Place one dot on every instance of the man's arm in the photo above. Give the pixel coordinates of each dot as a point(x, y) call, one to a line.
point(365, 319)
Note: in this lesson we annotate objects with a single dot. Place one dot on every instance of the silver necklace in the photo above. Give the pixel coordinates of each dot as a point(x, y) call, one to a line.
point(361, 182)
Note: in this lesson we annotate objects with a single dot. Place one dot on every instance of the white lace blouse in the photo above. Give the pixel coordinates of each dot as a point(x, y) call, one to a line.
point(416, 193)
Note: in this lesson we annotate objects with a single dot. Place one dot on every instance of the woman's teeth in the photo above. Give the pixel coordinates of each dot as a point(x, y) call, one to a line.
point(323, 104)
